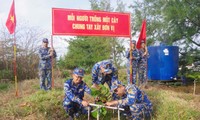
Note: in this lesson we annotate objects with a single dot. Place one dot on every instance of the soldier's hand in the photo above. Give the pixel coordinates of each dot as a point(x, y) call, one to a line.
point(95, 86)
point(132, 58)
point(51, 53)
point(85, 103)
point(131, 49)
point(51, 50)
point(145, 53)
point(111, 103)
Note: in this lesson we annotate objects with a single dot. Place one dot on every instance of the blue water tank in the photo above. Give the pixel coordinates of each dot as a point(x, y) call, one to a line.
point(163, 62)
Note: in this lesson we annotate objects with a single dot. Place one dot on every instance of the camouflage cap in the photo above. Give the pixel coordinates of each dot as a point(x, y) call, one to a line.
point(133, 42)
point(78, 71)
point(115, 85)
point(107, 66)
point(45, 40)
point(142, 41)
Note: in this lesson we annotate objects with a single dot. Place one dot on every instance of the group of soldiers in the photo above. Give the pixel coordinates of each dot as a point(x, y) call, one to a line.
point(134, 101)
point(139, 64)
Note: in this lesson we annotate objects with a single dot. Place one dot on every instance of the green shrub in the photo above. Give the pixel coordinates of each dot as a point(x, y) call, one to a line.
point(4, 86)
point(194, 76)
point(65, 74)
point(6, 74)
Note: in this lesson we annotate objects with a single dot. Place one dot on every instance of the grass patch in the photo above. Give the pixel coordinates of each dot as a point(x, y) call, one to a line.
point(169, 105)
point(47, 105)
point(4, 86)
point(42, 103)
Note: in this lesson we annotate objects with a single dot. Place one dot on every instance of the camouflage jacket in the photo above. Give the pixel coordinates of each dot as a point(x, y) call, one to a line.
point(75, 93)
point(45, 58)
point(134, 96)
point(135, 55)
point(98, 77)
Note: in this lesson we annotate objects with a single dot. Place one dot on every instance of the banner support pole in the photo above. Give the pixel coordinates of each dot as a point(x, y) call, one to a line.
point(131, 70)
point(52, 63)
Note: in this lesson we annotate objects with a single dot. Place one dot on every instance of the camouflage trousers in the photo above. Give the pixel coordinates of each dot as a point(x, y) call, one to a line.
point(138, 112)
point(142, 74)
point(134, 73)
point(74, 109)
point(43, 75)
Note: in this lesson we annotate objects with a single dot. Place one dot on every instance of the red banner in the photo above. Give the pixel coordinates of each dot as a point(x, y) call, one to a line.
point(90, 23)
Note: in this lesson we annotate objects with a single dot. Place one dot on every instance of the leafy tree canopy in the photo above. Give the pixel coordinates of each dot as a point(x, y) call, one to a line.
point(169, 20)
point(173, 22)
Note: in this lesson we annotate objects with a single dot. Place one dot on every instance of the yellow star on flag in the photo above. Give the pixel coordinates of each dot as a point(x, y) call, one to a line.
point(12, 18)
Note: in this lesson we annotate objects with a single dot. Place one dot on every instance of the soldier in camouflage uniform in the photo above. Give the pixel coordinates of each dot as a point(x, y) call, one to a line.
point(135, 58)
point(104, 72)
point(135, 102)
point(143, 64)
point(74, 88)
point(45, 70)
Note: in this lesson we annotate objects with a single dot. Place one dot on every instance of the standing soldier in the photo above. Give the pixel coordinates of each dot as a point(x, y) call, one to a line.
point(104, 71)
point(75, 88)
point(135, 58)
point(143, 64)
point(45, 64)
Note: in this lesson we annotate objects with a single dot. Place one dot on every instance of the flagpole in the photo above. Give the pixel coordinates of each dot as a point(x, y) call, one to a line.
point(52, 72)
point(131, 70)
point(11, 25)
point(147, 64)
point(15, 65)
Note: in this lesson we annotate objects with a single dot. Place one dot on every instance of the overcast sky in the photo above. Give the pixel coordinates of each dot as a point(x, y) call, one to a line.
point(39, 13)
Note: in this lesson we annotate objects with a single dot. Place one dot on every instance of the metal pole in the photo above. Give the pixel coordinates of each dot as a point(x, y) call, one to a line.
point(88, 113)
point(91, 104)
point(118, 113)
point(99, 106)
point(98, 112)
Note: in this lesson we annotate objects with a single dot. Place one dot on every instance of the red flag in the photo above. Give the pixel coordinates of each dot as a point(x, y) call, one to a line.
point(11, 20)
point(142, 34)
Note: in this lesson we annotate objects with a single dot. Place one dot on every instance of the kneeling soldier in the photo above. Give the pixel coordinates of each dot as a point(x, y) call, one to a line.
point(135, 102)
point(73, 102)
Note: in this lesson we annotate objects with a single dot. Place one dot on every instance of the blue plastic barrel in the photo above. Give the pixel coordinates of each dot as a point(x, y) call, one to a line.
point(163, 62)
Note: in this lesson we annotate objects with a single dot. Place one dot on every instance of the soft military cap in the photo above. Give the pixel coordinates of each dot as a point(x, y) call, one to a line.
point(79, 72)
point(45, 40)
point(113, 87)
point(142, 41)
point(133, 42)
point(107, 66)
